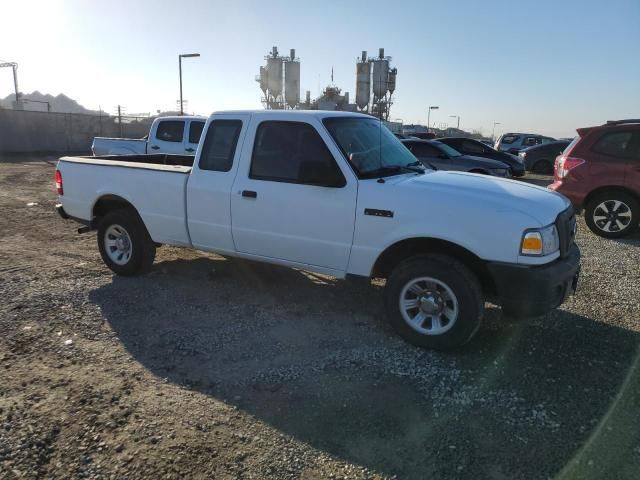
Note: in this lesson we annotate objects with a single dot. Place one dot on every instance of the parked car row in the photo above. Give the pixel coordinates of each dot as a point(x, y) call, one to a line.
point(439, 155)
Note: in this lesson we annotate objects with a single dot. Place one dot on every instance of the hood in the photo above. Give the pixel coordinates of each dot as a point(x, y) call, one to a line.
point(492, 193)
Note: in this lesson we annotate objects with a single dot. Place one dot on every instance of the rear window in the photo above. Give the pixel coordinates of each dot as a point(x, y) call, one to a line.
point(508, 139)
point(170, 130)
point(613, 144)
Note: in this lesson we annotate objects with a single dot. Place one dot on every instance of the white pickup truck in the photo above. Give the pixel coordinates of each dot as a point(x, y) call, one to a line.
point(336, 193)
point(173, 135)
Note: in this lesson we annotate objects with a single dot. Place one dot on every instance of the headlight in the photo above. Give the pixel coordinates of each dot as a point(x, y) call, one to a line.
point(522, 154)
point(540, 241)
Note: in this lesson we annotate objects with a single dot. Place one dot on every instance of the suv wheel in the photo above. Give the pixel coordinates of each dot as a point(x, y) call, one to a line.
point(124, 243)
point(612, 214)
point(434, 301)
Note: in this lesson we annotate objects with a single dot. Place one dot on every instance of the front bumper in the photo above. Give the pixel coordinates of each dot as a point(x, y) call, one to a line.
point(529, 291)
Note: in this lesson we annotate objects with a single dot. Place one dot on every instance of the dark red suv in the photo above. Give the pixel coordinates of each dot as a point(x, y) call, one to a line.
point(600, 172)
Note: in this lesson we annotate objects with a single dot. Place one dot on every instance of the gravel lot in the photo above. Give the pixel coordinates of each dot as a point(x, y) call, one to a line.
point(214, 368)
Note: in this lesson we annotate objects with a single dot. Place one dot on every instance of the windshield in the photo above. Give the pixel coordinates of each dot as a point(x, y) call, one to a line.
point(369, 146)
point(452, 152)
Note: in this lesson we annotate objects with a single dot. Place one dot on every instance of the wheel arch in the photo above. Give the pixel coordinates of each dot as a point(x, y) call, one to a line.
point(107, 203)
point(613, 188)
point(404, 249)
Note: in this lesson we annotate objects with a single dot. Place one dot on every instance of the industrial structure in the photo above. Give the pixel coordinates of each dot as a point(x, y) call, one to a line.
point(279, 81)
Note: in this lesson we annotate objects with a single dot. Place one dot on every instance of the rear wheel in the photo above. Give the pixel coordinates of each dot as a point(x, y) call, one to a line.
point(124, 243)
point(544, 167)
point(612, 214)
point(434, 301)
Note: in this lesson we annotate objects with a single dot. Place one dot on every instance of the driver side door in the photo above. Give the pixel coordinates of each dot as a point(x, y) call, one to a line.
point(292, 201)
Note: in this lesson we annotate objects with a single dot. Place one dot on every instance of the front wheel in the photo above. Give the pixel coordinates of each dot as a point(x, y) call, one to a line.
point(124, 243)
point(612, 214)
point(434, 301)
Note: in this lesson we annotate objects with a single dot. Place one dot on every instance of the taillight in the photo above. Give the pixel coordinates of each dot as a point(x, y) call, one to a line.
point(58, 178)
point(565, 164)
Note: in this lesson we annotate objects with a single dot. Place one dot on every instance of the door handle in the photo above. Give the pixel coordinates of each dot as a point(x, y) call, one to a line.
point(189, 149)
point(155, 147)
point(249, 194)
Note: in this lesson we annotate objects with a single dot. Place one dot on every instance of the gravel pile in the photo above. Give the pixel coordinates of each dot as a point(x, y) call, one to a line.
point(217, 368)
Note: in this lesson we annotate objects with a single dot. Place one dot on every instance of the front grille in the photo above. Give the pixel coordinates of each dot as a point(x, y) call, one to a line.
point(566, 225)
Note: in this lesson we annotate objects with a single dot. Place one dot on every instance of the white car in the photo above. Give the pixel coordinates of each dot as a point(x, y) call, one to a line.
point(336, 193)
point(173, 135)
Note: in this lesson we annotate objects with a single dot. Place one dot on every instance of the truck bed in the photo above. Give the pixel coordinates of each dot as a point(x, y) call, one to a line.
point(153, 159)
point(155, 184)
point(147, 161)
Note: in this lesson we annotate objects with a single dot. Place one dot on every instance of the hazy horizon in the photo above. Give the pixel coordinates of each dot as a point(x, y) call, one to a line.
point(541, 67)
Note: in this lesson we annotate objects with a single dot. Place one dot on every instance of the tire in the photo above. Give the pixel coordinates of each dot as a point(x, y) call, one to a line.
point(604, 215)
point(543, 167)
point(438, 273)
point(125, 225)
point(479, 172)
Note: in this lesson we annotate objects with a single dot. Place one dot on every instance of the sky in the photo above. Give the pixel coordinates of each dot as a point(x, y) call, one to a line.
point(547, 67)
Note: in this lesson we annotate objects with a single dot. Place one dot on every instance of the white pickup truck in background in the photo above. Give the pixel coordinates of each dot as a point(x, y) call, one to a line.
point(336, 193)
point(173, 135)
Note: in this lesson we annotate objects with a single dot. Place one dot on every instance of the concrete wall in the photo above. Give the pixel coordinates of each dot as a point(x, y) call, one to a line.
point(26, 131)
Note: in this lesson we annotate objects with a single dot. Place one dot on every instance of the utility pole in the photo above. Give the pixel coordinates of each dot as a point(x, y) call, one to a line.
point(429, 116)
point(180, 57)
point(120, 120)
point(458, 117)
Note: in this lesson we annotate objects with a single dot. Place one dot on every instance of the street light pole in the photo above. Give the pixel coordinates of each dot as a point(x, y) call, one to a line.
point(458, 117)
point(493, 132)
point(180, 57)
point(429, 116)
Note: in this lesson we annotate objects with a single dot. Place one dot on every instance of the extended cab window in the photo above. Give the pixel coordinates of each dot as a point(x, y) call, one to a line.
point(613, 144)
point(220, 145)
point(195, 131)
point(531, 141)
point(170, 130)
point(293, 152)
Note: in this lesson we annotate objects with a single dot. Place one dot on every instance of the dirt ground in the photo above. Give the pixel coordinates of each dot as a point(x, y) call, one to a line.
point(225, 369)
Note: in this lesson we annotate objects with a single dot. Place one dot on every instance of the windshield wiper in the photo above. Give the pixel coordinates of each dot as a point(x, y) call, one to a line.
point(392, 170)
